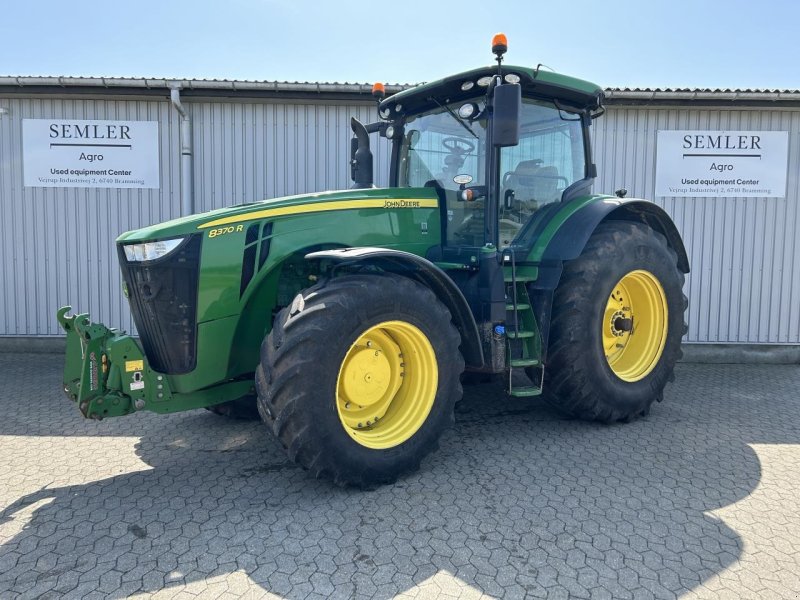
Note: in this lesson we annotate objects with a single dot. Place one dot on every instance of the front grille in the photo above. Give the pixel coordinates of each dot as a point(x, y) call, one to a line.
point(163, 298)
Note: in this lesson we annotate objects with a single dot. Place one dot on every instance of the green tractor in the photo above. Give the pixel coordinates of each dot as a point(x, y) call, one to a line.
point(348, 319)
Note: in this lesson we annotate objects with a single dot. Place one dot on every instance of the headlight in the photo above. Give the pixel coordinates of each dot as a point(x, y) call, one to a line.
point(150, 250)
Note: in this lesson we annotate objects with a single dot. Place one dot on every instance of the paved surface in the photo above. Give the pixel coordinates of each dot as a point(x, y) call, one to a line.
point(701, 499)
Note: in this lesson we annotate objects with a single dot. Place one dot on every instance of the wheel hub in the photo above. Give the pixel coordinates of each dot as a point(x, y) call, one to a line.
point(387, 384)
point(621, 323)
point(368, 376)
point(635, 328)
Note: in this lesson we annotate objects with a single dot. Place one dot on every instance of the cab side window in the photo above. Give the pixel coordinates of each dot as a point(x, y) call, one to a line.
point(548, 159)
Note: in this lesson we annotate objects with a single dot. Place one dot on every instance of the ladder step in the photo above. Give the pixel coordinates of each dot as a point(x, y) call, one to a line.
point(520, 278)
point(520, 306)
point(519, 334)
point(525, 392)
point(524, 362)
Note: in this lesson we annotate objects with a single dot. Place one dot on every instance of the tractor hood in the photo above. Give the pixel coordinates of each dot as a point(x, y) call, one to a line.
point(277, 208)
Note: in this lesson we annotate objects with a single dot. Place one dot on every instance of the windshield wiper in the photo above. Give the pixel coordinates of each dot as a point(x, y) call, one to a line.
point(457, 118)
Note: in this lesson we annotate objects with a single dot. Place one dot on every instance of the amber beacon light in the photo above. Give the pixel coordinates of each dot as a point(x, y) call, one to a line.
point(499, 44)
point(378, 90)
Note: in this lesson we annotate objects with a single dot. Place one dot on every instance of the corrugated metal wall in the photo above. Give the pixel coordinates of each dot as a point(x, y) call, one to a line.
point(57, 246)
point(250, 151)
point(745, 257)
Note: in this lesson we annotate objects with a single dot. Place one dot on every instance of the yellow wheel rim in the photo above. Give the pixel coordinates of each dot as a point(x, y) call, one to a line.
point(635, 325)
point(387, 384)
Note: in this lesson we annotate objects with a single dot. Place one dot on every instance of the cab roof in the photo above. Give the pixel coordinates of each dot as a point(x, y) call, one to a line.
point(571, 91)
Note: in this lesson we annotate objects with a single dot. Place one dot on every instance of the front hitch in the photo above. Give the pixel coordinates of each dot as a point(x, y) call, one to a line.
point(106, 373)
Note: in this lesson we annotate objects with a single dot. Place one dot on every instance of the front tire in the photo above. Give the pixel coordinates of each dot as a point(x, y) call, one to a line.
point(358, 378)
point(616, 325)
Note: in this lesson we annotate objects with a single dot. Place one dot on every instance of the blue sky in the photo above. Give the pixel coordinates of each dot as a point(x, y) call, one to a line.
point(678, 43)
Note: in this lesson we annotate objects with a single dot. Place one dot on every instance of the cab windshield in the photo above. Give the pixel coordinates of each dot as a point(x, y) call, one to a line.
point(442, 150)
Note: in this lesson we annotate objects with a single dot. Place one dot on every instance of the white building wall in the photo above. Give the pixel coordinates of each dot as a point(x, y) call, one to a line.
point(58, 243)
point(246, 151)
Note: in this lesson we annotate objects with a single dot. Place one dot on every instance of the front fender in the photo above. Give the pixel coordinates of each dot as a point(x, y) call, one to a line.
point(427, 273)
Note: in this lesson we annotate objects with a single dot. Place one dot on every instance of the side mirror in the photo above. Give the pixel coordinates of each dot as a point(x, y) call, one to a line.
point(507, 107)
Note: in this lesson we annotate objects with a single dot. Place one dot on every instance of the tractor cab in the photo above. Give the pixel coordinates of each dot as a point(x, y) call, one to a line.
point(498, 144)
point(452, 153)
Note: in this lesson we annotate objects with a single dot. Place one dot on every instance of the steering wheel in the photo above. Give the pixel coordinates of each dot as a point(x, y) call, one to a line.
point(458, 145)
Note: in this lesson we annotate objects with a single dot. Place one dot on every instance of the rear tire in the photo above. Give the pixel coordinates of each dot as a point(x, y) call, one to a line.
point(318, 357)
point(589, 375)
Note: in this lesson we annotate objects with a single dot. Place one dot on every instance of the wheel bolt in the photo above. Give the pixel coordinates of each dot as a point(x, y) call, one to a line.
point(360, 425)
point(347, 405)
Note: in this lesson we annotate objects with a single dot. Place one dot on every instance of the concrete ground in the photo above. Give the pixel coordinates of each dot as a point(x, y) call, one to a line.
point(700, 499)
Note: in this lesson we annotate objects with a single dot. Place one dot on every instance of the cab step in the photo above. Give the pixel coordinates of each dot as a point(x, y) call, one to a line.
point(519, 334)
point(510, 307)
point(524, 362)
point(507, 278)
point(525, 392)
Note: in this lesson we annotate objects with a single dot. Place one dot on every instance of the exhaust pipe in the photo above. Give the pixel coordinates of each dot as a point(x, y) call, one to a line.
point(360, 156)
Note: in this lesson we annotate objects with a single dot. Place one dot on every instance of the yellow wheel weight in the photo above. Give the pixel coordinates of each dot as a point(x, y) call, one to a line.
point(387, 384)
point(635, 325)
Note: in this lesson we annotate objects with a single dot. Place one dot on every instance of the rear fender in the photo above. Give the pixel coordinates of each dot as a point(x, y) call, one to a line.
point(569, 240)
point(425, 272)
point(561, 232)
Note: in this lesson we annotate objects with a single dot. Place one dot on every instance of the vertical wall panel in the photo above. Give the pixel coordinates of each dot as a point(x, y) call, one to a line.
point(744, 255)
point(251, 151)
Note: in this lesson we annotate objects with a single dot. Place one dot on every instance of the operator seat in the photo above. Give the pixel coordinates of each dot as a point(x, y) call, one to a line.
point(534, 184)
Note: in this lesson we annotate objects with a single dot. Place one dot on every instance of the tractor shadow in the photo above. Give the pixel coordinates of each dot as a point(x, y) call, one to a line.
point(518, 501)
